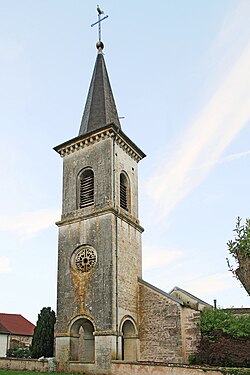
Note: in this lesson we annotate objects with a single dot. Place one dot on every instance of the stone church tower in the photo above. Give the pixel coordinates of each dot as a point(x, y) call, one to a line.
point(99, 259)
point(105, 311)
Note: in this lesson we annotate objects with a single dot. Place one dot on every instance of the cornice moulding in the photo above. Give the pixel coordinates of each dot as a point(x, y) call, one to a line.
point(108, 131)
point(79, 215)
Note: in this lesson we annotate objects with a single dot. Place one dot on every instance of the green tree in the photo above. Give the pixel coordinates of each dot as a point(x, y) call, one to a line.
point(225, 339)
point(239, 248)
point(43, 338)
point(213, 321)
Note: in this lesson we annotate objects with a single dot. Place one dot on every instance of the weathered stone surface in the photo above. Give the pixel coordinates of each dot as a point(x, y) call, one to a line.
point(24, 364)
point(119, 368)
point(190, 332)
point(109, 291)
point(159, 327)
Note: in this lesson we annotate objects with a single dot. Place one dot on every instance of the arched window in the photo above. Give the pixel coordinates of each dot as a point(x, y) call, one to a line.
point(124, 192)
point(86, 188)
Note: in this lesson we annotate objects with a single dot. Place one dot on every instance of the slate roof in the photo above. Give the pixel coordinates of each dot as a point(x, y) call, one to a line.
point(100, 108)
point(176, 288)
point(176, 299)
point(15, 324)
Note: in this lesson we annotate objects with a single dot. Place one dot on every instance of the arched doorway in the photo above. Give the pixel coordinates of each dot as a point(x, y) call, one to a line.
point(82, 341)
point(129, 351)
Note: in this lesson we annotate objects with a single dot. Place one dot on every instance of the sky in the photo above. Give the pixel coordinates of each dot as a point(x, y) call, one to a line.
point(180, 74)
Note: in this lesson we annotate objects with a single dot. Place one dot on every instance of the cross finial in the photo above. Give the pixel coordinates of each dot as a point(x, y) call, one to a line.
point(99, 44)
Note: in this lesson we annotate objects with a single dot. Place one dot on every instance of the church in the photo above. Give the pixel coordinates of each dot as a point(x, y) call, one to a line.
point(105, 311)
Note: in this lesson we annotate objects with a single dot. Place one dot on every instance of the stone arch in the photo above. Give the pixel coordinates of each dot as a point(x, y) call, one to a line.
point(82, 340)
point(125, 194)
point(129, 339)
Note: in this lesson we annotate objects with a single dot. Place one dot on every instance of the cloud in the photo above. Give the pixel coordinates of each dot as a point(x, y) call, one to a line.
point(210, 285)
point(226, 159)
point(227, 35)
point(5, 266)
point(204, 141)
point(155, 257)
point(28, 224)
point(232, 157)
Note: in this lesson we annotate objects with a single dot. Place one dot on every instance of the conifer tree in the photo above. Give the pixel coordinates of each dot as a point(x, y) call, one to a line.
point(43, 338)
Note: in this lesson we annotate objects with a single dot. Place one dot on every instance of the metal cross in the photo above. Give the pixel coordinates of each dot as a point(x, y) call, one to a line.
point(100, 12)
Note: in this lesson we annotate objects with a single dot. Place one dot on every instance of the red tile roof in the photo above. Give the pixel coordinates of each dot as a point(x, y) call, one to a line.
point(16, 324)
point(2, 329)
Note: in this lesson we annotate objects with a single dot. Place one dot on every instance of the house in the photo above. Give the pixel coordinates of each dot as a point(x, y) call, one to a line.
point(15, 331)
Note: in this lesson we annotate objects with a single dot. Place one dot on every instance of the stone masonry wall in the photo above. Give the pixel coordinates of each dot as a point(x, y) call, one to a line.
point(97, 157)
point(17, 340)
point(24, 364)
point(125, 163)
point(129, 237)
point(89, 293)
point(190, 331)
point(119, 368)
point(129, 269)
point(160, 327)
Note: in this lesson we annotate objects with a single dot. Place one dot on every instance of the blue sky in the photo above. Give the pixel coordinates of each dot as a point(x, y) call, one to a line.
point(180, 76)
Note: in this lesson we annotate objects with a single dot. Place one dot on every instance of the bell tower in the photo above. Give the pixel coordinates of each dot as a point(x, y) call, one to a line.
point(99, 247)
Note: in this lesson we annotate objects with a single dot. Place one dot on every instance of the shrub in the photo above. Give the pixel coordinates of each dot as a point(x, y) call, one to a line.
point(237, 326)
point(224, 351)
point(18, 352)
point(225, 339)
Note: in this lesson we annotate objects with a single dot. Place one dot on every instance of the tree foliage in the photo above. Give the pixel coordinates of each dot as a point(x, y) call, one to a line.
point(225, 339)
point(224, 351)
point(239, 248)
point(43, 338)
point(229, 324)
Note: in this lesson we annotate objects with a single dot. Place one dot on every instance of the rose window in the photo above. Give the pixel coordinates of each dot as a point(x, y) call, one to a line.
point(85, 259)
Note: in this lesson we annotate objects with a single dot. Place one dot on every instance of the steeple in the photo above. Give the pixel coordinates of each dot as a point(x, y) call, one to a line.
point(100, 108)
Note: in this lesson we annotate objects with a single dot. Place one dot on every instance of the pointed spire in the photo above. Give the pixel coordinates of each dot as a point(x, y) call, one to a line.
point(100, 108)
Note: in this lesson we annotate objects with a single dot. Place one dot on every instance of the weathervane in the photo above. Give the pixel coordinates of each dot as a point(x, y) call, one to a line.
point(99, 44)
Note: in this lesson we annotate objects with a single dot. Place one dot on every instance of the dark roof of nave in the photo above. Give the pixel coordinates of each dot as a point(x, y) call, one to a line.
point(176, 299)
point(100, 108)
point(177, 289)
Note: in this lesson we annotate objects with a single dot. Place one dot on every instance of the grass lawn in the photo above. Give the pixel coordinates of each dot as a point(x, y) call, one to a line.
point(17, 372)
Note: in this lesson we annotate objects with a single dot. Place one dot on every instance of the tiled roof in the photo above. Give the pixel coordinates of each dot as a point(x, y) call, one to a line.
point(15, 324)
point(2, 329)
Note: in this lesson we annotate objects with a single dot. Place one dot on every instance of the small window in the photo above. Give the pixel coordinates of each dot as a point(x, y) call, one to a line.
point(124, 192)
point(86, 188)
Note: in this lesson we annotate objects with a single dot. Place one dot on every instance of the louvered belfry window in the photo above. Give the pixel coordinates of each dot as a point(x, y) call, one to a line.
point(86, 188)
point(123, 192)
